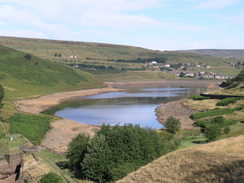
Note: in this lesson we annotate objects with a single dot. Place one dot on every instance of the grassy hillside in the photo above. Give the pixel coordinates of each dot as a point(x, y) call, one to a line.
point(97, 54)
point(22, 76)
point(221, 53)
point(220, 161)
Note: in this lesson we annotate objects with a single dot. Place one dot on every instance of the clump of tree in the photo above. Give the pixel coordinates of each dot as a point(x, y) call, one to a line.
point(116, 151)
point(51, 178)
point(28, 56)
point(234, 82)
point(213, 128)
point(172, 125)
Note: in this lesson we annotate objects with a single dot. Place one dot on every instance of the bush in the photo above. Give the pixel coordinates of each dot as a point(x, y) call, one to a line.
point(116, 151)
point(228, 101)
point(172, 125)
point(227, 130)
point(212, 132)
point(28, 56)
point(199, 97)
point(215, 112)
point(51, 178)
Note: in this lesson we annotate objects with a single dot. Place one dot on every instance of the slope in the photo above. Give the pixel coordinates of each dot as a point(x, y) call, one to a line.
point(221, 53)
point(220, 161)
point(102, 54)
point(24, 75)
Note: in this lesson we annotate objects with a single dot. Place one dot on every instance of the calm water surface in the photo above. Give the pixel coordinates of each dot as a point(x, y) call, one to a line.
point(135, 106)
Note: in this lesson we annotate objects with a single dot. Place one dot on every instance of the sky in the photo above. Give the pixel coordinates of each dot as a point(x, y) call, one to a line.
point(153, 24)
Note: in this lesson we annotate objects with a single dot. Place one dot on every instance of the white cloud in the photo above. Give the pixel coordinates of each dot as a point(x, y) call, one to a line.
point(216, 4)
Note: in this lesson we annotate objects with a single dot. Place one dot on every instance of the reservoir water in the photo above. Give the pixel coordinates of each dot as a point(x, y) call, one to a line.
point(136, 105)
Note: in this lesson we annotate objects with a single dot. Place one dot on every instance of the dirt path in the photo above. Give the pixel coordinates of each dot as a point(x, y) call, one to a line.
point(177, 110)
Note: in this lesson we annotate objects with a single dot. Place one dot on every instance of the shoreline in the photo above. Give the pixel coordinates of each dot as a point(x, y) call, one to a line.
point(64, 130)
point(176, 108)
point(39, 104)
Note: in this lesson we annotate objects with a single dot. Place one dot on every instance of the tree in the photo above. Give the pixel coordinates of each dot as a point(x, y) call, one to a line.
point(28, 56)
point(219, 120)
point(1, 95)
point(76, 152)
point(172, 125)
point(212, 132)
point(51, 178)
point(97, 163)
point(182, 74)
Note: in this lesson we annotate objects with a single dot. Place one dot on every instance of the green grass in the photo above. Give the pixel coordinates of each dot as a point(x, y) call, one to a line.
point(33, 127)
point(50, 159)
point(189, 138)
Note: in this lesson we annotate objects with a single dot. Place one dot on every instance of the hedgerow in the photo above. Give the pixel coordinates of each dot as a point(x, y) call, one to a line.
point(228, 101)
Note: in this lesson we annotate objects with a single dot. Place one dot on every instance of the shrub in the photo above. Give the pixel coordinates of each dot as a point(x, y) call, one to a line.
point(28, 56)
point(212, 132)
point(228, 101)
point(227, 130)
point(172, 125)
point(51, 178)
point(199, 97)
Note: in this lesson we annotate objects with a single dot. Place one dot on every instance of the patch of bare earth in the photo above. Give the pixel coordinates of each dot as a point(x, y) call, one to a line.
point(62, 132)
point(178, 110)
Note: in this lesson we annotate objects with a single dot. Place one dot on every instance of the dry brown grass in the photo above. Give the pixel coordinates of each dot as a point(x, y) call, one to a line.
point(200, 104)
point(32, 169)
point(220, 161)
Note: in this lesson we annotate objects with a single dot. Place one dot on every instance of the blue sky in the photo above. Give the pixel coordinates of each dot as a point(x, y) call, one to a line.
point(154, 24)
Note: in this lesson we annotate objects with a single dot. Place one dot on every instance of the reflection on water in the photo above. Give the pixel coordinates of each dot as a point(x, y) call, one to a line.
point(135, 106)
